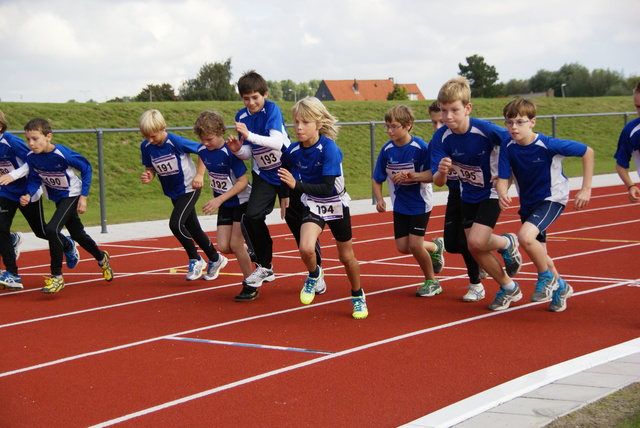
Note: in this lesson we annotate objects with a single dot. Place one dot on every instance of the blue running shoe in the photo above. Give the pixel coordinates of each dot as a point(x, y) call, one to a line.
point(505, 297)
point(511, 256)
point(560, 296)
point(10, 281)
point(545, 286)
point(72, 256)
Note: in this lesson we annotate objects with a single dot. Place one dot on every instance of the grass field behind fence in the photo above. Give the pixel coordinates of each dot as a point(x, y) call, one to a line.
point(127, 200)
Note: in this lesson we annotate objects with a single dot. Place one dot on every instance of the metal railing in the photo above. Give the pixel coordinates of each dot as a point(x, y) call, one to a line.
point(99, 132)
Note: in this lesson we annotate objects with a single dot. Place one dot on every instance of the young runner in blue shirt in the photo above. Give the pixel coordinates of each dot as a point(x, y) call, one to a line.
point(230, 185)
point(52, 166)
point(469, 146)
point(534, 161)
point(168, 156)
point(318, 161)
point(412, 201)
point(629, 147)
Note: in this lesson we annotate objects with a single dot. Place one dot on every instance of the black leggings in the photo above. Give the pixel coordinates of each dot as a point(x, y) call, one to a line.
point(67, 215)
point(185, 226)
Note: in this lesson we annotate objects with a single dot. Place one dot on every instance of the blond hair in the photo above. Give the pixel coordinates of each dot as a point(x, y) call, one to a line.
point(456, 89)
point(151, 122)
point(311, 109)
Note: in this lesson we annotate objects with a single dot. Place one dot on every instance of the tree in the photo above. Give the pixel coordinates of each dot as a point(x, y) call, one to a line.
point(212, 83)
point(162, 92)
point(482, 77)
point(398, 93)
point(516, 87)
point(275, 90)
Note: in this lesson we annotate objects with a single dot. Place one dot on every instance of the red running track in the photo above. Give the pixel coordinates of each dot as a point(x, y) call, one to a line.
point(151, 349)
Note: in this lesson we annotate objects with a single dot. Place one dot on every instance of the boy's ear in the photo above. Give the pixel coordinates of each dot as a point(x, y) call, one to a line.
point(266, 94)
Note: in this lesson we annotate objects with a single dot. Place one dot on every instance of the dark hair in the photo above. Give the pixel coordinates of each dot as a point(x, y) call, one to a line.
point(519, 106)
point(434, 107)
point(250, 82)
point(39, 124)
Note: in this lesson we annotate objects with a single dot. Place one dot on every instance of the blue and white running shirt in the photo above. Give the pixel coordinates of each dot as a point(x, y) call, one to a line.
point(537, 169)
point(629, 145)
point(172, 163)
point(224, 169)
point(474, 157)
point(410, 198)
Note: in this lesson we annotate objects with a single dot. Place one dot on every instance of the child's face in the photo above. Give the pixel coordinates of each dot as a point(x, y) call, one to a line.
point(156, 138)
point(254, 101)
point(456, 116)
point(521, 128)
point(396, 132)
point(38, 142)
point(212, 141)
point(436, 119)
point(308, 133)
point(636, 102)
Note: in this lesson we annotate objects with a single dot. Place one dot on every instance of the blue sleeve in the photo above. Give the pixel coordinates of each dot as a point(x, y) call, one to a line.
point(237, 165)
point(437, 150)
point(79, 162)
point(504, 166)
point(379, 172)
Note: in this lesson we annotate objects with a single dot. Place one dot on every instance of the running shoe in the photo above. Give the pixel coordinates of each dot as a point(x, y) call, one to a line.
point(16, 240)
point(483, 274)
point(260, 275)
point(308, 291)
point(247, 294)
point(429, 288)
point(560, 296)
point(72, 256)
point(213, 268)
point(52, 285)
point(359, 304)
point(196, 268)
point(475, 293)
point(505, 297)
point(545, 286)
point(437, 257)
point(10, 281)
point(105, 265)
point(511, 256)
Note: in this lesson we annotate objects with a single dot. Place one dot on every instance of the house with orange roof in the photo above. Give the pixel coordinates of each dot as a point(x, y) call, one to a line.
point(363, 90)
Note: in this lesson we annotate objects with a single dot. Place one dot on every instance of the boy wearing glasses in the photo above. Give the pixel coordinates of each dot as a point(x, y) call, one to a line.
point(469, 146)
point(535, 162)
point(412, 201)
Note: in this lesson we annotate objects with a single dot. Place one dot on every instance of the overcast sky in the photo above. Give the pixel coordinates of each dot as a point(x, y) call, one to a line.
point(57, 50)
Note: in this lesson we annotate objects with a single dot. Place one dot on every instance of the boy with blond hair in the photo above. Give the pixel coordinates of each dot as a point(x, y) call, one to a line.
point(469, 146)
point(168, 156)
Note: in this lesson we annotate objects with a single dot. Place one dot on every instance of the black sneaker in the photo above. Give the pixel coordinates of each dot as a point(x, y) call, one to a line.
point(247, 294)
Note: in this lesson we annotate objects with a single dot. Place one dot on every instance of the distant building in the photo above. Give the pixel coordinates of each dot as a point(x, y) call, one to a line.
point(363, 90)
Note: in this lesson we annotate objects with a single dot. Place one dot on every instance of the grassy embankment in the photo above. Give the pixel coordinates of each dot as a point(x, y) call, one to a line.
point(127, 200)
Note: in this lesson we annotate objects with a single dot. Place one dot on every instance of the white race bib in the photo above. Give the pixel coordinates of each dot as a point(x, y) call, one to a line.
point(54, 180)
point(220, 183)
point(6, 167)
point(327, 208)
point(469, 174)
point(393, 169)
point(267, 158)
point(166, 165)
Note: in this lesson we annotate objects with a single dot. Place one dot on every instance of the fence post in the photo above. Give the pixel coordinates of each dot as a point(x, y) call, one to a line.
point(553, 126)
point(103, 198)
point(372, 154)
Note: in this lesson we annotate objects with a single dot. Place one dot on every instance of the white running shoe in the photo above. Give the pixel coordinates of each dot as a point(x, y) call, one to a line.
point(260, 275)
point(213, 268)
point(196, 267)
point(475, 293)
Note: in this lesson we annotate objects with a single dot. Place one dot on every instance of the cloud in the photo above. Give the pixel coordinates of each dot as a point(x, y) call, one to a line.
point(58, 50)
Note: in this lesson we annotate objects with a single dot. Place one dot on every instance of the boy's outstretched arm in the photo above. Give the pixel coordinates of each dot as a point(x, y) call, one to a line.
point(584, 194)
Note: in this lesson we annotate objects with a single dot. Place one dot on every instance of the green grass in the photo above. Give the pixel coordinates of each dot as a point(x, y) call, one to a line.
point(127, 200)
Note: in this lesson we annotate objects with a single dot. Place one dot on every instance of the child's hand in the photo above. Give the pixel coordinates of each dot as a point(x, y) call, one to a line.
point(242, 129)
point(6, 179)
point(234, 144)
point(400, 177)
point(146, 177)
point(582, 199)
point(504, 201)
point(634, 194)
point(82, 205)
point(286, 177)
point(444, 166)
point(197, 182)
point(284, 204)
point(25, 199)
point(381, 206)
point(211, 206)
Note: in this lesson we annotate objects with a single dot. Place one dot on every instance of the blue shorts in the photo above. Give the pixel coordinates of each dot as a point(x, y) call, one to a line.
point(542, 216)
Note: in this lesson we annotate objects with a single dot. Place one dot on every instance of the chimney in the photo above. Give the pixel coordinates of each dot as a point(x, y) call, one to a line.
point(355, 86)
